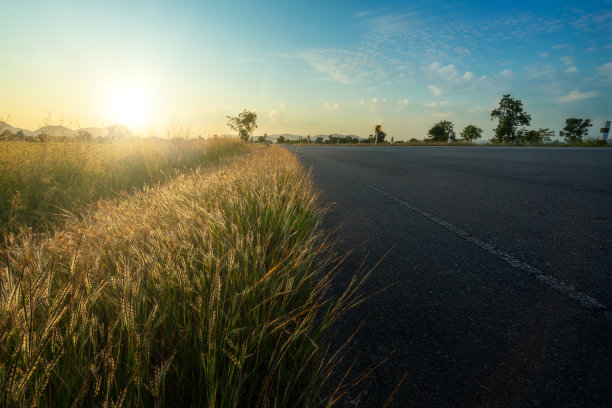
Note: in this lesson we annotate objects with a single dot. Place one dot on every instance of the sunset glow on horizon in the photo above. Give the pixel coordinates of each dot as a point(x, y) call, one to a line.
point(305, 68)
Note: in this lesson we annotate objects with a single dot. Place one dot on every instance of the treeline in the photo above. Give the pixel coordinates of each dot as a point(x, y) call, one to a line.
point(331, 139)
point(511, 129)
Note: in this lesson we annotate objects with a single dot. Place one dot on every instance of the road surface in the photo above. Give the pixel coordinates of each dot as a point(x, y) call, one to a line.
point(501, 260)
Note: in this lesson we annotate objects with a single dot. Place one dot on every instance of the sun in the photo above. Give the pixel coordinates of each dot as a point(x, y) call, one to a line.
point(130, 105)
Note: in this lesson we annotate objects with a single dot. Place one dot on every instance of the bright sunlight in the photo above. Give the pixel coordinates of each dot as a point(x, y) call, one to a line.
point(130, 105)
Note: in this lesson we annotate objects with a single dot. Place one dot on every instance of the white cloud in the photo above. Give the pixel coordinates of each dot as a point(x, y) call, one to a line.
point(605, 72)
point(373, 105)
point(468, 75)
point(560, 46)
point(571, 70)
point(435, 90)
point(436, 104)
point(576, 95)
point(276, 116)
point(363, 14)
point(328, 107)
point(403, 102)
point(567, 60)
point(447, 73)
point(462, 51)
point(507, 74)
point(345, 66)
point(544, 55)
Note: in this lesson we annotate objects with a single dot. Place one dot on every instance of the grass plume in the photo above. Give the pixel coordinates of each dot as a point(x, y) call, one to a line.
point(206, 290)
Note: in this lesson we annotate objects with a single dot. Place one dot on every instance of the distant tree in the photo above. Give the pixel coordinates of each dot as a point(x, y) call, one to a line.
point(381, 137)
point(281, 139)
point(245, 123)
point(440, 131)
point(20, 135)
point(84, 135)
point(538, 136)
point(262, 139)
point(471, 133)
point(511, 115)
point(319, 140)
point(575, 129)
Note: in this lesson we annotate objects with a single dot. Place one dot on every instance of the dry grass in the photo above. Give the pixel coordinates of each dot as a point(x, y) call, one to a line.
point(208, 290)
point(40, 181)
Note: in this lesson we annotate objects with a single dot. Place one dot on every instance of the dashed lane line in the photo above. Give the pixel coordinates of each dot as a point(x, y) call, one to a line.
point(584, 299)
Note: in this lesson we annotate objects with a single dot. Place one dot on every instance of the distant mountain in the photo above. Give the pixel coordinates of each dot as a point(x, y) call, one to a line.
point(5, 126)
point(51, 130)
point(116, 130)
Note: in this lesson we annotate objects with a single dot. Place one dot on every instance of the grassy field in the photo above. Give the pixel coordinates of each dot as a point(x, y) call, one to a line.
point(206, 290)
point(40, 181)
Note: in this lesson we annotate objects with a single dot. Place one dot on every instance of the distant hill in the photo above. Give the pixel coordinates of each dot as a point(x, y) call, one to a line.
point(116, 130)
point(51, 130)
point(5, 126)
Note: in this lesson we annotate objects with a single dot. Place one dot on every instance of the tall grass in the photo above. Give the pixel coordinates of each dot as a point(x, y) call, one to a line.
point(208, 290)
point(38, 181)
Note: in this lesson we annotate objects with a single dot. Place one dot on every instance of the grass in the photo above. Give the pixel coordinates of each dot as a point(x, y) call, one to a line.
point(40, 181)
point(206, 290)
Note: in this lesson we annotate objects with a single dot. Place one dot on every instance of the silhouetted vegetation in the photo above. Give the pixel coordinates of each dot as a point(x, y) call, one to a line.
point(575, 129)
point(471, 133)
point(245, 123)
point(440, 131)
point(510, 116)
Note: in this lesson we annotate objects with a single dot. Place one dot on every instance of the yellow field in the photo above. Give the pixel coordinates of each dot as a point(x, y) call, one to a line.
point(206, 290)
point(40, 181)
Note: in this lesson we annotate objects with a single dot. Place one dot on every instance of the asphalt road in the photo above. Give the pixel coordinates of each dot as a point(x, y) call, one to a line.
point(501, 260)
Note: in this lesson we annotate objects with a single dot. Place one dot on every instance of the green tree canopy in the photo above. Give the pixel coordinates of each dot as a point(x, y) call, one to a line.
point(245, 123)
point(440, 131)
point(511, 115)
point(538, 136)
point(575, 129)
point(471, 133)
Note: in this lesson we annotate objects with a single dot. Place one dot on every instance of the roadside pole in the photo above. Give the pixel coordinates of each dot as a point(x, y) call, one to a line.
point(605, 131)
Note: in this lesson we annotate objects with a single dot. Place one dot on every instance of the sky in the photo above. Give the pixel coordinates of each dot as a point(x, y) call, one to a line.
point(308, 68)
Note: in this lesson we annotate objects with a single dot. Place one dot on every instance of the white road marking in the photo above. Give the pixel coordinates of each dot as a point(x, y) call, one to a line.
point(585, 300)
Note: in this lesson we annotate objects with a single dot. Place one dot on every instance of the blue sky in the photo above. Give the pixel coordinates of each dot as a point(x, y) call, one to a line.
point(305, 67)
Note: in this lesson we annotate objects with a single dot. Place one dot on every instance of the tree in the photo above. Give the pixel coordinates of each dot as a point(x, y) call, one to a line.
point(471, 133)
point(440, 131)
point(245, 123)
point(575, 129)
point(538, 136)
point(319, 140)
point(281, 139)
point(511, 115)
point(381, 137)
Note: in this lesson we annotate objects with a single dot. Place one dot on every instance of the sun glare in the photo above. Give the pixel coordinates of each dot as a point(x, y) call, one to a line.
point(130, 105)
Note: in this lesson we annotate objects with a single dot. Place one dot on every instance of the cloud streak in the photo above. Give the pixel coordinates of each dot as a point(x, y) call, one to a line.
point(576, 95)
